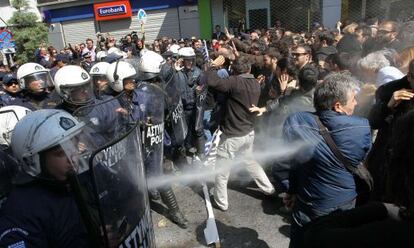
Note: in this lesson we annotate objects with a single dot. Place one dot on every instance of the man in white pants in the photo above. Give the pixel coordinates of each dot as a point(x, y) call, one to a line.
point(242, 91)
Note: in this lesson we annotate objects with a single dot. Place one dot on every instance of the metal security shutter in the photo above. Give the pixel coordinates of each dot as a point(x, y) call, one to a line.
point(78, 31)
point(164, 22)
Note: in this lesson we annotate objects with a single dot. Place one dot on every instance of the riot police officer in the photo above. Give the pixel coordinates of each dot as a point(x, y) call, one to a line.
point(100, 80)
point(145, 103)
point(74, 86)
point(9, 116)
point(11, 89)
point(43, 212)
point(35, 82)
point(187, 76)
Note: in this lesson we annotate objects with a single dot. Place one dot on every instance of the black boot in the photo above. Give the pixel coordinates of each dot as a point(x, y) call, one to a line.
point(168, 197)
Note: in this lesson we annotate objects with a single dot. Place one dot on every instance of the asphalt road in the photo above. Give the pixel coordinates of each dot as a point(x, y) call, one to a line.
point(252, 220)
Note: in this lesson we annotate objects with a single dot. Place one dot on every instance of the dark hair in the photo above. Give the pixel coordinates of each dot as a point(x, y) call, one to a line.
point(273, 53)
point(241, 65)
point(308, 77)
point(288, 64)
point(365, 29)
point(327, 37)
point(401, 170)
point(89, 39)
point(344, 60)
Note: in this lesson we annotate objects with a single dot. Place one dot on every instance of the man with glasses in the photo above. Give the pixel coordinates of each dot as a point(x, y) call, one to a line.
point(393, 100)
point(11, 89)
point(387, 35)
point(302, 55)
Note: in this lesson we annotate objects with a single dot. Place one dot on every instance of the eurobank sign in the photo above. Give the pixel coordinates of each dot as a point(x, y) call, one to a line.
point(112, 10)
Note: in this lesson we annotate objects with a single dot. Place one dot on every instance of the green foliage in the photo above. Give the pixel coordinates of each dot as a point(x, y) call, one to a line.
point(28, 33)
point(19, 4)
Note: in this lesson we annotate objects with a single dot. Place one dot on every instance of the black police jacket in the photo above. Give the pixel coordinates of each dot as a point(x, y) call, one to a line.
point(39, 215)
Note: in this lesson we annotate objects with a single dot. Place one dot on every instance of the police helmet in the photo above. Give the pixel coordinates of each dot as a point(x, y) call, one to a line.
point(150, 65)
point(73, 84)
point(40, 131)
point(119, 71)
point(33, 72)
point(9, 116)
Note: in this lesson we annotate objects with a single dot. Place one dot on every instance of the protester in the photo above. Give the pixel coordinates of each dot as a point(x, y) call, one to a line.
point(237, 128)
point(318, 182)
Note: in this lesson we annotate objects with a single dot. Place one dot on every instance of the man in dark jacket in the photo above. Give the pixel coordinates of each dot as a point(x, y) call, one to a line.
point(237, 126)
point(319, 183)
point(393, 100)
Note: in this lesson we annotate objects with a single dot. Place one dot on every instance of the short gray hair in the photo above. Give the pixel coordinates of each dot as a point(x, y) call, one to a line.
point(336, 87)
point(374, 61)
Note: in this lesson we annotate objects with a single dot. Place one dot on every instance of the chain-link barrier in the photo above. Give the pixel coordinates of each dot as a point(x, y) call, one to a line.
point(397, 10)
point(294, 15)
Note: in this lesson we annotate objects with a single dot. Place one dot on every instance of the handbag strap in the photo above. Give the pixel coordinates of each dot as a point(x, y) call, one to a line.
point(331, 143)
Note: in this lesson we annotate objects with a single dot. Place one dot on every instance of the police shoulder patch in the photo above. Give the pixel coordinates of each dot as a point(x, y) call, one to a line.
point(66, 123)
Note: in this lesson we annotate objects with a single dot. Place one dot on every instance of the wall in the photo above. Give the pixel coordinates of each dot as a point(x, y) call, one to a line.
point(6, 11)
point(257, 4)
point(331, 12)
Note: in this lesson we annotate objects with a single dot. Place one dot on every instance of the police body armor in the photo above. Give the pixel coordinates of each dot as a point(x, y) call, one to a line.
point(111, 192)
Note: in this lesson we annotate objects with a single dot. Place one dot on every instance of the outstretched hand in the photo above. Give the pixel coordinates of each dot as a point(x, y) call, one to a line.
point(260, 111)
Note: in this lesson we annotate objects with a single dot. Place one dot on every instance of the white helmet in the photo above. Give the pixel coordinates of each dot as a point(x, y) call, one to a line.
point(101, 55)
point(174, 48)
point(150, 65)
point(40, 131)
point(99, 68)
point(186, 52)
point(117, 51)
point(33, 72)
point(99, 78)
point(119, 71)
point(9, 116)
point(73, 84)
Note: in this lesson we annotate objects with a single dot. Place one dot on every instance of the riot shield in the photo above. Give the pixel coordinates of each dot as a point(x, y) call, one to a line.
point(176, 124)
point(112, 194)
point(152, 106)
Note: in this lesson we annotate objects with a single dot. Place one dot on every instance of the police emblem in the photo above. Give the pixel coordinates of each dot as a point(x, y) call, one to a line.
point(84, 75)
point(66, 123)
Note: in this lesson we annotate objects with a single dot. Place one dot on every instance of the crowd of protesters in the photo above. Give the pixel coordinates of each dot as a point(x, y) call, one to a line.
point(347, 94)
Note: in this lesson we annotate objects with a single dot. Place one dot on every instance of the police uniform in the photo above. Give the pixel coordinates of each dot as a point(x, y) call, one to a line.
point(41, 215)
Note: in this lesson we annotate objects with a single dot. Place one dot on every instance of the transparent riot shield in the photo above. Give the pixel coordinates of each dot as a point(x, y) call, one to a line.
point(112, 194)
point(152, 106)
point(176, 124)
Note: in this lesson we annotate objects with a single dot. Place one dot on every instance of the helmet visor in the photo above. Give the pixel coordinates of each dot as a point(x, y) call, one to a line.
point(37, 82)
point(71, 155)
point(78, 95)
point(100, 82)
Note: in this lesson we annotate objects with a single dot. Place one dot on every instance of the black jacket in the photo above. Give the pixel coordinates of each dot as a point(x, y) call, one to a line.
point(364, 227)
point(243, 92)
point(383, 119)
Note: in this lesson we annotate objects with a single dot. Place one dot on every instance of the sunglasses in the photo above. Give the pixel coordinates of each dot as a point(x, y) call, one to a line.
point(12, 83)
point(298, 54)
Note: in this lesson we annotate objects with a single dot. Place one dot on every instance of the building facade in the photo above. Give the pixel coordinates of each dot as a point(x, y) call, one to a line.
point(72, 21)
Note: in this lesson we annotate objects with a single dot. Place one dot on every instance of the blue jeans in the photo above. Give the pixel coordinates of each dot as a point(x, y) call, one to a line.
point(303, 215)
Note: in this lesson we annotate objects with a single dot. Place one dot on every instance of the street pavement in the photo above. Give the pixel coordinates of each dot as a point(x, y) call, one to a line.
point(252, 220)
